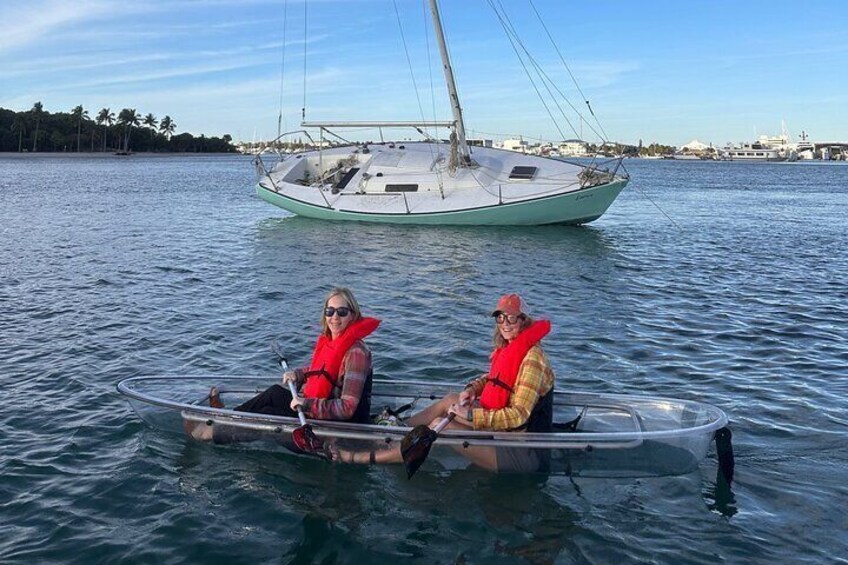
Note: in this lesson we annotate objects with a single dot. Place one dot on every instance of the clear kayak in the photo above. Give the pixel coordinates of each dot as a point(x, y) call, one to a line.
point(594, 435)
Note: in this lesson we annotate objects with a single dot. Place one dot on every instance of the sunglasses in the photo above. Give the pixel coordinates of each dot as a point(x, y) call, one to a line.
point(342, 311)
point(500, 318)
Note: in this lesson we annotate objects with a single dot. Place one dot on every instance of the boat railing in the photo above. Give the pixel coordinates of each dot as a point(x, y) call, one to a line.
point(598, 173)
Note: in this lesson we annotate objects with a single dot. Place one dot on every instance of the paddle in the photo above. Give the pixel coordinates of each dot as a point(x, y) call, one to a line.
point(415, 446)
point(303, 436)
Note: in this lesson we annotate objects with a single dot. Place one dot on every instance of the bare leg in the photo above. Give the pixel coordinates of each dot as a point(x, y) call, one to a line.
point(198, 430)
point(438, 409)
point(382, 456)
point(485, 457)
point(393, 454)
point(481, 456)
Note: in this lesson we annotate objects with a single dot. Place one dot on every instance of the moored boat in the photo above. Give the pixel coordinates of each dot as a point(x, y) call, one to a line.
point(753, 152)
point(434, 181)
point(596, 435)
point(408, 183)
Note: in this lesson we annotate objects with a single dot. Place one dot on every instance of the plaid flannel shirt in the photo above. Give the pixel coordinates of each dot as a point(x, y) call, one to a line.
point(347, 393)
point(535, 379)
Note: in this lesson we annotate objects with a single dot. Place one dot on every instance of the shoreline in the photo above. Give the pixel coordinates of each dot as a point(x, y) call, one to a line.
point(111, 155)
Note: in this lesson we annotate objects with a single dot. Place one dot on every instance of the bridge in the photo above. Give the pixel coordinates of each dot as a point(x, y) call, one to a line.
point(833, 149)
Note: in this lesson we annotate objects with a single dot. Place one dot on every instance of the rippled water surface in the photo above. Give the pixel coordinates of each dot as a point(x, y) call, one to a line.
point(720, 282)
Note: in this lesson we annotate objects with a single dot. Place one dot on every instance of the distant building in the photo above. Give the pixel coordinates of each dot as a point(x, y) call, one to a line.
point(515, 145)
point(480, 142)
point(573, 148)
point(695, 146)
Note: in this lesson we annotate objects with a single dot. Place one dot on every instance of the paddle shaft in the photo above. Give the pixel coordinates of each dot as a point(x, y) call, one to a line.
point(444, 423)
point(301, 417)
point(448, 419)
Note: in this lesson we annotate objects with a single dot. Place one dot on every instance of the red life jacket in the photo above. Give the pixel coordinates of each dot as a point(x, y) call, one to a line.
point(505, 364)
point(327, 358)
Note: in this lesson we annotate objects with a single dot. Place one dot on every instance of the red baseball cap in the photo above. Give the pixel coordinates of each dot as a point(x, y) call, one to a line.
point(511, 305)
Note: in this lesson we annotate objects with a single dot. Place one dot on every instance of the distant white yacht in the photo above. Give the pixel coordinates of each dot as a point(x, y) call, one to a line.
point(753, 152)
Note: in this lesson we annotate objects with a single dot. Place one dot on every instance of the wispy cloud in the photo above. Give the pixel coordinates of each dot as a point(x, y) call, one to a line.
point(24, 23)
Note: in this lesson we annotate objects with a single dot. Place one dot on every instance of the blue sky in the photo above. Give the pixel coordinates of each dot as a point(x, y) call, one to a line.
point(663, 71)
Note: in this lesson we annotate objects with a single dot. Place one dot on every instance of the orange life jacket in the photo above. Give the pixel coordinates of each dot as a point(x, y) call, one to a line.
point(327, 358)
point(505, 364)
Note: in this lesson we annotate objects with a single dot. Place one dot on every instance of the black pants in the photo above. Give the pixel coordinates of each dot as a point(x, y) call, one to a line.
point(274, 400)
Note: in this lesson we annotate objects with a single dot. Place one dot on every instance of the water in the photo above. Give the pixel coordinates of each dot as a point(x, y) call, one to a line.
point(111, 268)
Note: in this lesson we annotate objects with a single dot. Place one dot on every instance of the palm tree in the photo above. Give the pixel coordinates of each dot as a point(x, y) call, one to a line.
point(79, 114)
point(37, 110)
point(128, 118)
point(20, 124)
point(150, 121)
point(106, 118)
point(167, 126)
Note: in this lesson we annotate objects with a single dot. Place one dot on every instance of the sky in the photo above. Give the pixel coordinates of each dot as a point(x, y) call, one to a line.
point(656, 71)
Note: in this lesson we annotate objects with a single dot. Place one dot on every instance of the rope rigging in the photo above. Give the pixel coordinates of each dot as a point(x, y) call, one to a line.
point(305, 21)
point(513, 40)
point(567, 68)
point(519, 48)
point(282, 70)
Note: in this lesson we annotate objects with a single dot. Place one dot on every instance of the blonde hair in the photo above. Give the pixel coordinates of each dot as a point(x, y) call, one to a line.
point(499, 341)
point(347, 295)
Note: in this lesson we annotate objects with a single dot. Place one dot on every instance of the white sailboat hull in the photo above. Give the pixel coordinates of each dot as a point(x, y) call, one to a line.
point(411, 183)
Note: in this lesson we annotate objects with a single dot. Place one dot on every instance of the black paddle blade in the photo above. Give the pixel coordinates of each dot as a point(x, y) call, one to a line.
point(415, 447)
point(306, 441)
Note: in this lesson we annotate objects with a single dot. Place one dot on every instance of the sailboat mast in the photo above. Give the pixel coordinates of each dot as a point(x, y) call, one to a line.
point(454, 97)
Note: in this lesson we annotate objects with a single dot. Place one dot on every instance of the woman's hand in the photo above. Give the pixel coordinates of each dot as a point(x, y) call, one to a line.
point(289, 377)
point(297, 402)
point(467, 396)
point(461, 413)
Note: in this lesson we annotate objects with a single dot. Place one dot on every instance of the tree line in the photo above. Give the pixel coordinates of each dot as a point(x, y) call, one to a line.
point(37, 130)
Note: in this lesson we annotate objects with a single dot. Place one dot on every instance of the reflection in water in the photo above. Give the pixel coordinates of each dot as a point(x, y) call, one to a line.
point(529, 523)
point(719, 498)
point(311, 544)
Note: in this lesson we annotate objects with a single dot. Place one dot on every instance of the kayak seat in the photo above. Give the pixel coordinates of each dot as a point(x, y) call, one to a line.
point(571, 426)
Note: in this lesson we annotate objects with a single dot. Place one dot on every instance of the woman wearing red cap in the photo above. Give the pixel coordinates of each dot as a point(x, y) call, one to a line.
point(337, 383)
point(516, 394)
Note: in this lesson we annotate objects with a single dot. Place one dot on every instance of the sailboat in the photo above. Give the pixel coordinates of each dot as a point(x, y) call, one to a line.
point(435, 181)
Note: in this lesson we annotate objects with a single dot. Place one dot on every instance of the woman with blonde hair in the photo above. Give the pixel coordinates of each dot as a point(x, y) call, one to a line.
point(336, 385)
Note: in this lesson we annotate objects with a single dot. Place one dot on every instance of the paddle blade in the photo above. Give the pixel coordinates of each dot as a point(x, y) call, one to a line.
point(415, 447)
point(306, 440)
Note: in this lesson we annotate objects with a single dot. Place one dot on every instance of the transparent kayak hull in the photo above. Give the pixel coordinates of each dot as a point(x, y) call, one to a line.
point(615, 436)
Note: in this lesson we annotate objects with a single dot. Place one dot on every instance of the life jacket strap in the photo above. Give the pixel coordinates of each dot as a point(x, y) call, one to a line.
point(321, 373)
point(498, 382)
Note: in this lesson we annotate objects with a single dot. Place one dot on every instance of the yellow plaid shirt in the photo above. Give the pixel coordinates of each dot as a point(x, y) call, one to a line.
point(535, 379)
